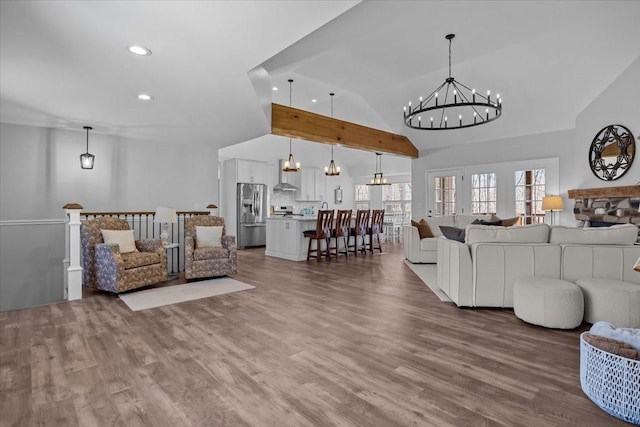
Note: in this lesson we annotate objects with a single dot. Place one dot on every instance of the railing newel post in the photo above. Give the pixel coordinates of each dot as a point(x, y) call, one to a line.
point(73, 275)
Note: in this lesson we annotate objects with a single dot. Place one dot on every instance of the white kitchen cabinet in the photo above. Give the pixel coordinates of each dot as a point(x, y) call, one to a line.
point(308, 182)
point(251, 171)
point(285, 239)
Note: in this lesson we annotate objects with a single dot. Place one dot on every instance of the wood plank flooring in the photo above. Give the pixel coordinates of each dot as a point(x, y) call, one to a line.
point(357, 342)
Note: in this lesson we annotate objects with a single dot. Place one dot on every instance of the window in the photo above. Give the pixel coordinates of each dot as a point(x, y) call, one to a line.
point(530, 189)
point(484, 194)
point(396, 199)
point(445, 195)
point(362, 197)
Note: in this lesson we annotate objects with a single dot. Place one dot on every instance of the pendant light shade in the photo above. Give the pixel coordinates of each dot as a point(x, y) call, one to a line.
point(332, 169)
point(86, 159)
point(290, 165)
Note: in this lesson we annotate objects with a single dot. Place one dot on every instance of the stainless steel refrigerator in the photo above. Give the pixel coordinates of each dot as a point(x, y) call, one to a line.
point(252, 214)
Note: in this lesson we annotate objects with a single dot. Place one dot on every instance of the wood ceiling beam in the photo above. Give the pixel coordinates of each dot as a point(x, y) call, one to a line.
point(294, 123)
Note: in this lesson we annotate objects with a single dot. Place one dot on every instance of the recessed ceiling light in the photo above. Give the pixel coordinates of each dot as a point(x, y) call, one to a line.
point(139, 50)
point(145, 97)
point(275, 88)
point(314, 100)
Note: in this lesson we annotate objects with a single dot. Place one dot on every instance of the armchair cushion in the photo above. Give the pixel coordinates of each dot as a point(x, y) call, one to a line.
point(140, 259)
point(123, 238)
point(208, 237)
point(210, 253)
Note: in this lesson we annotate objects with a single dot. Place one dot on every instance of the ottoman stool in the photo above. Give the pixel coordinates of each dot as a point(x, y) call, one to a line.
point(613, 301)
point(552, 303)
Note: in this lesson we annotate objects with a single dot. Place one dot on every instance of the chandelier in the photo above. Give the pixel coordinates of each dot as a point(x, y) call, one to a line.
point(86, 159)
point(452, 105)
point(290, 165)
point(332, 169)
point(378, 178)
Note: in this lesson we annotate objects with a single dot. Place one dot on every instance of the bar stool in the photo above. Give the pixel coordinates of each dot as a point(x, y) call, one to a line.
point(377, 221)
point(322, 232)
point(360, 230)
point(343, 224)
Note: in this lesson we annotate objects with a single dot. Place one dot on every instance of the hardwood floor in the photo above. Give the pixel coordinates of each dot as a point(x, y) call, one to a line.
point(357, 342)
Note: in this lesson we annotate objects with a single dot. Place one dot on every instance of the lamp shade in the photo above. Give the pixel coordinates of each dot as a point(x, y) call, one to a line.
point(552, 203)
point(165, 215)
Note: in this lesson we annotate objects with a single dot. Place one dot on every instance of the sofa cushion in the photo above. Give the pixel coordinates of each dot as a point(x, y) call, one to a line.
point(423, 228)
point(436, 221)
point(621, 234)
point(429, 244)
point(140, 259)
point(453, 233)
point(534, 233)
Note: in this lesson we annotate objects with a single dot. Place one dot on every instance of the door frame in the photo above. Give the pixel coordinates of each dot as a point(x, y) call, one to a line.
point(461, 191)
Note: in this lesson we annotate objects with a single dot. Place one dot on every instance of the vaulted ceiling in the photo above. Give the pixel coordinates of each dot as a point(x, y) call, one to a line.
point(65, 63)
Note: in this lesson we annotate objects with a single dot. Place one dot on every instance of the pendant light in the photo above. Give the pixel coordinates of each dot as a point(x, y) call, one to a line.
point(290, 165)
point(86, 159)
point(332, 169)
point(378, 178)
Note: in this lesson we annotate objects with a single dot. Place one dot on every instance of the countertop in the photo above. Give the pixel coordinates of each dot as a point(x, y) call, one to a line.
point(293, 218)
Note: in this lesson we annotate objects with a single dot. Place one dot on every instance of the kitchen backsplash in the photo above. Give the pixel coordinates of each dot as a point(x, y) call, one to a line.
point(288, 199)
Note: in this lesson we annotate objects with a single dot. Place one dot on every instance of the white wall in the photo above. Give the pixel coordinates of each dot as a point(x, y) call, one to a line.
point(618, 104)
point(40, 172)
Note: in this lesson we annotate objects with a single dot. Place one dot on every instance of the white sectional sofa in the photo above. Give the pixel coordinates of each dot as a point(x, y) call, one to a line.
point(425, 250)
point(482, 271)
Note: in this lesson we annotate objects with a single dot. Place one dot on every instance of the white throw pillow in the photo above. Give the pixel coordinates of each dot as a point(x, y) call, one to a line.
point(123, 238)
point(208, 237)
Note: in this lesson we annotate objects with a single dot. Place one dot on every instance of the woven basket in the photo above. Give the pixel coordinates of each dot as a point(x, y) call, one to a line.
point(612, 382)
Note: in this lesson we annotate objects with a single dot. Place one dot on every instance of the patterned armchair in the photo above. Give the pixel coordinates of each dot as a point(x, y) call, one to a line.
point(105, 268)
point(208, 262)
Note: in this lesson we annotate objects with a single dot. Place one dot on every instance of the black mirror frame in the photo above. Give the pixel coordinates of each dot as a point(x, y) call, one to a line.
point(624, 140)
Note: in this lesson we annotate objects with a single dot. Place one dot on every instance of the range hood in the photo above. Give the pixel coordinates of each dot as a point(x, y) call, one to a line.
point(283, 185)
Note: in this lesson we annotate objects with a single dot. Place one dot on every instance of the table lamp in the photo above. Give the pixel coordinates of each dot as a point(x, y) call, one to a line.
point(164, 216)
point(552, 203)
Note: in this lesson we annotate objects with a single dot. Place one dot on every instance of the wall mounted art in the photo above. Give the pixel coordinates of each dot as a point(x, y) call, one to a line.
point(612, 152)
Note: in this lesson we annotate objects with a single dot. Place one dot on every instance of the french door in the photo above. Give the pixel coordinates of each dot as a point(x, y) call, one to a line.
point(445, 192)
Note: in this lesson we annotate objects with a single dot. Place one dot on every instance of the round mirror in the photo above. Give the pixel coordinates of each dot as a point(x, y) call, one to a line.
point(612, 152)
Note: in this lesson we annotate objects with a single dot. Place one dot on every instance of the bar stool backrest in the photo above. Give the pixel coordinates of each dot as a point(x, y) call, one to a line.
point(324, 224)
point(343, 222)
point(362, 221)
point(377, 221)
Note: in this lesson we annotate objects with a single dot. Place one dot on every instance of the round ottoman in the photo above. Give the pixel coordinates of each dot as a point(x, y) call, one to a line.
point(552, 303)
point(613, 301)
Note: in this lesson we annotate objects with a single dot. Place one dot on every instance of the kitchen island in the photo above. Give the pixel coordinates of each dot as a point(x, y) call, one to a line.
point(285, 238)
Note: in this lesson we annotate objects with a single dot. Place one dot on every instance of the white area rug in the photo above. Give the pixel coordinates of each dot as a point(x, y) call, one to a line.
point(157, 297)
point(428, 273)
